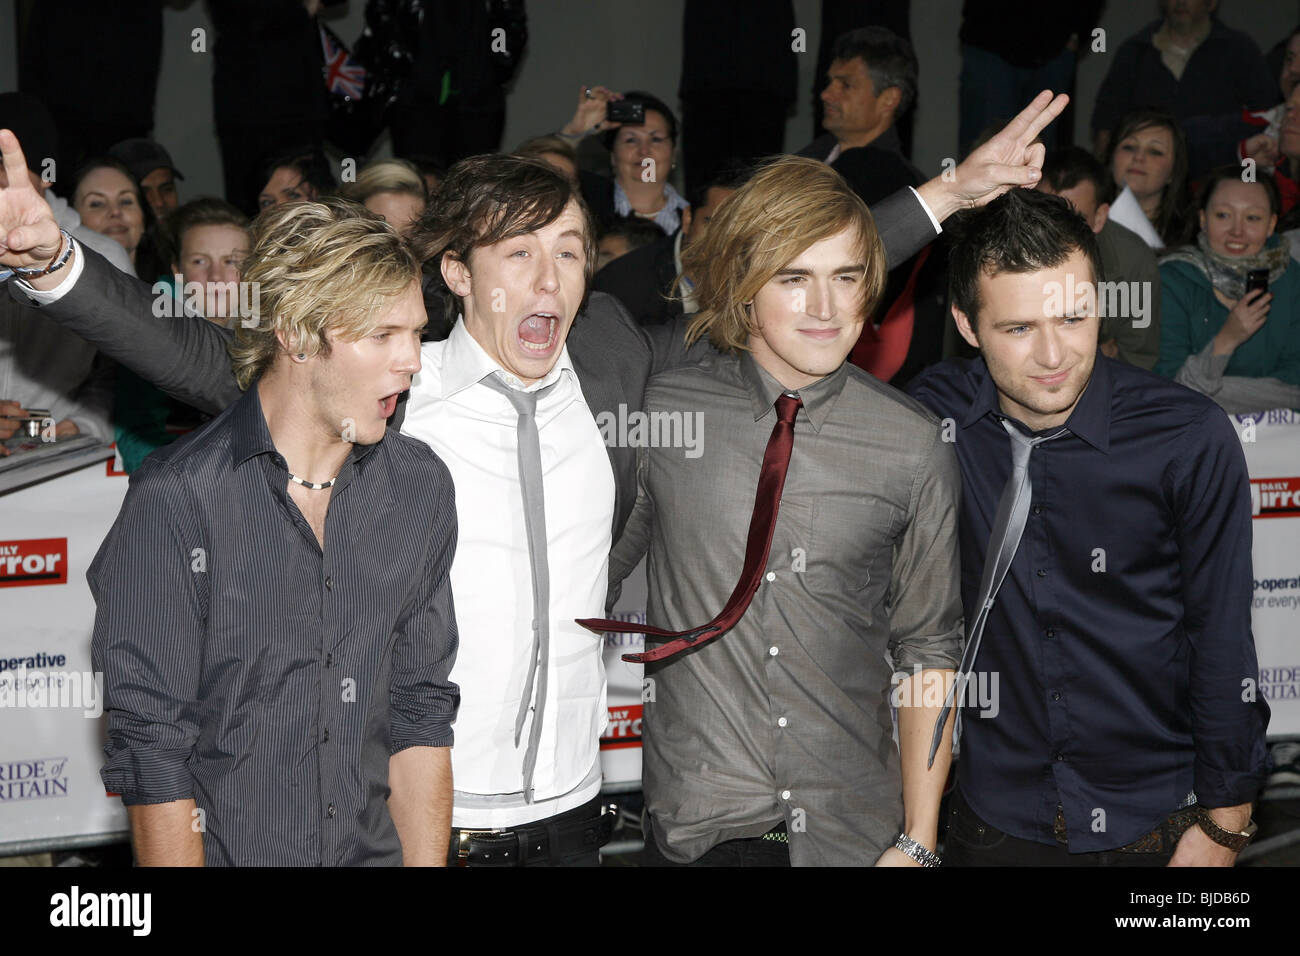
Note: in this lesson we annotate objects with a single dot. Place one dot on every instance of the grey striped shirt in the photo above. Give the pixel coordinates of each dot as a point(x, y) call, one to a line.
point(267, 680)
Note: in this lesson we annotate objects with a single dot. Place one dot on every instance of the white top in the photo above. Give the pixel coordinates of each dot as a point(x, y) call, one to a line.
point(473, 430)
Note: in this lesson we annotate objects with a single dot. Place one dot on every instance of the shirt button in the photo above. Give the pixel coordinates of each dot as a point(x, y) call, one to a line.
point(781, 722)
point(1056, 695)
point(785, 794)
point(329, 660)
point(1038, 509)
point(1041, 572)
point(329, 584)
point(771, 575)
point(773, 651)
point(329, 811)
point(326, 738)
point(1060, 756)
point(1050, 632)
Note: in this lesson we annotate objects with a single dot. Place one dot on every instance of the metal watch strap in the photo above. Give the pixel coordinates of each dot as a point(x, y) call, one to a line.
point(1226, 838)
point(916, 851)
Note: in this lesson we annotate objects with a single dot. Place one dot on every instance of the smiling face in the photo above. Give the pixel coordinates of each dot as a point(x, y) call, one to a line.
point(359, 381)
point(1237, 220)
point(1144, 161)
point(635, 144)
point(108, 203)
point(520, 295)
point(1040, 353)
point(809, 315)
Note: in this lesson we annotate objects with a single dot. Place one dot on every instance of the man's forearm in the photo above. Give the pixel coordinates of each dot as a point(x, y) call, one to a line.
point(922, 786)
point(419, 779)
point(167, 834)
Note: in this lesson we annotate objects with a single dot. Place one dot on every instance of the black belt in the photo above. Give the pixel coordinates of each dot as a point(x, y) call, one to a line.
point(574, 831)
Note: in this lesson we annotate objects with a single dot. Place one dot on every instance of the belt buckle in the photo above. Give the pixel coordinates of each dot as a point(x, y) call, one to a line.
point(463, 838)
point(1059, 829)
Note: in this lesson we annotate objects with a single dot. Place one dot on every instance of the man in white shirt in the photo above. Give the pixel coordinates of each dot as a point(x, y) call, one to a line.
point(515, 250)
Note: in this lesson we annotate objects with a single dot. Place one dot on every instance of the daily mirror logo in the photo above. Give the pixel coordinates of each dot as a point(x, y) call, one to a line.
point(1275, 497)
point(33, 561)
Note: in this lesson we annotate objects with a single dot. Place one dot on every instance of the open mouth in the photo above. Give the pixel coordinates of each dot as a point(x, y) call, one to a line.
point(388, 405)
point(1235, 248)
point(538, 332)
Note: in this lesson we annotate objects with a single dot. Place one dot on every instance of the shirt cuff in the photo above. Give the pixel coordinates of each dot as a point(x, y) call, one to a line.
point(938, 229)
point(46, 296)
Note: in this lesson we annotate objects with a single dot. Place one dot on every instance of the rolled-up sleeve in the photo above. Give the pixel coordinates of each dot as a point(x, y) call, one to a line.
point(925, 589)
point(1229, 716)
point(422, 696)
point(148, 639)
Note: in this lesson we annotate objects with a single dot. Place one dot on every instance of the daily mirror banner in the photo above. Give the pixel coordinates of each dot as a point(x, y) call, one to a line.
point(1271, 441)
point(51, 703)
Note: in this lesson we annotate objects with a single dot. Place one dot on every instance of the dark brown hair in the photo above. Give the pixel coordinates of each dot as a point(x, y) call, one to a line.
point(488, 199)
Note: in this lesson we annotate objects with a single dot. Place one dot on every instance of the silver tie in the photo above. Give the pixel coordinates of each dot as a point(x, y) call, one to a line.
point(1008, 526)
point(530, 484)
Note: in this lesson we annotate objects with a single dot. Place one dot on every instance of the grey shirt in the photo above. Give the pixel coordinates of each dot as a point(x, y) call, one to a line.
point(265, 678)
point(787, 716)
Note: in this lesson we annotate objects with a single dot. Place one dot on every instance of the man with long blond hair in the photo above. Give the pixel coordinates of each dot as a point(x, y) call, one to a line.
point(769, 742)
point(274, 614)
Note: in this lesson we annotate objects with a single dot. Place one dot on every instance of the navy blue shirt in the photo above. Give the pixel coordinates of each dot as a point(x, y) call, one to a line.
point(265, 678)
point(1120, 641)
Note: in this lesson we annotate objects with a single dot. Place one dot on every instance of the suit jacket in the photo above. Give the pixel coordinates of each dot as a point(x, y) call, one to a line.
point(188, 359)
point(875, 171)
point(642, 280)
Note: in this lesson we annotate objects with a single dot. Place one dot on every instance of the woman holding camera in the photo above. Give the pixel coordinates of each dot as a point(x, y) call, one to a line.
point(641, 157)
point(1230, 304)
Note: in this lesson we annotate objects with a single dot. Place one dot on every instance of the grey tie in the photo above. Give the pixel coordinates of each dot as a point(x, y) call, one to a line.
point(530, 483)
point(1008, 526)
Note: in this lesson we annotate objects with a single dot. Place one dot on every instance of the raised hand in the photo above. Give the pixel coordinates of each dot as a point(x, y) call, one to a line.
point(1011, 158)
point(589, 117)
point(29, 234)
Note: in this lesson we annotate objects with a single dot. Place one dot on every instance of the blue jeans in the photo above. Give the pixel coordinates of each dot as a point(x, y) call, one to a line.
point(994, 91)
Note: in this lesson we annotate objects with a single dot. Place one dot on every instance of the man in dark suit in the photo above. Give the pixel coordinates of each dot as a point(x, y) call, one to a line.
point(870, 85)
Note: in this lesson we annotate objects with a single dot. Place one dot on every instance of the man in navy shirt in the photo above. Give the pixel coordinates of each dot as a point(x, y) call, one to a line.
point(1124, 726)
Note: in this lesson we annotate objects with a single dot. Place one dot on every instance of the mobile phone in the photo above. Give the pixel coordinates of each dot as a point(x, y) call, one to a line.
point(1256, 280)
point(621, 111)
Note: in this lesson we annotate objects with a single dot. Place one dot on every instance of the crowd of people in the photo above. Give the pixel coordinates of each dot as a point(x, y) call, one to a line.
point(398, 477)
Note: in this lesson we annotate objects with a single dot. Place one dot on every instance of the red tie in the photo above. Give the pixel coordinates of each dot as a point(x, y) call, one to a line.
point(766, 503)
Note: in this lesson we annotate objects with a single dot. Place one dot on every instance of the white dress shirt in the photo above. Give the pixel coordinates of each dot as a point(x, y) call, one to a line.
point(473, 430)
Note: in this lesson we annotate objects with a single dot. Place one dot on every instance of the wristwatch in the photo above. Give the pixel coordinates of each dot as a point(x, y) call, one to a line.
point(916, 851)
point(1228, 838)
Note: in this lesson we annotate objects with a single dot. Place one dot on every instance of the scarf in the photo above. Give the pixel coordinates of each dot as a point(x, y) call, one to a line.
point(1228, 273)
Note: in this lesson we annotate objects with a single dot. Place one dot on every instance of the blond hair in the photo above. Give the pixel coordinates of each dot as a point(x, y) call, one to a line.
point(317, 266)
point(788, 205)
point(386, 176)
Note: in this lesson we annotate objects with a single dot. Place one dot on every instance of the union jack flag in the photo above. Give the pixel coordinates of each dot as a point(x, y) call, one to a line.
point(344, 76)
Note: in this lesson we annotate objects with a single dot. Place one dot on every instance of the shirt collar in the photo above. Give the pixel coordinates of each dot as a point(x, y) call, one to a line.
point(251, 436)
point(764, 390)
point(465, 363)
point(1090, 419)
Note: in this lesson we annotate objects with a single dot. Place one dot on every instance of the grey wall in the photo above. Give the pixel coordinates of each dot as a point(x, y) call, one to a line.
point(630, 43)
